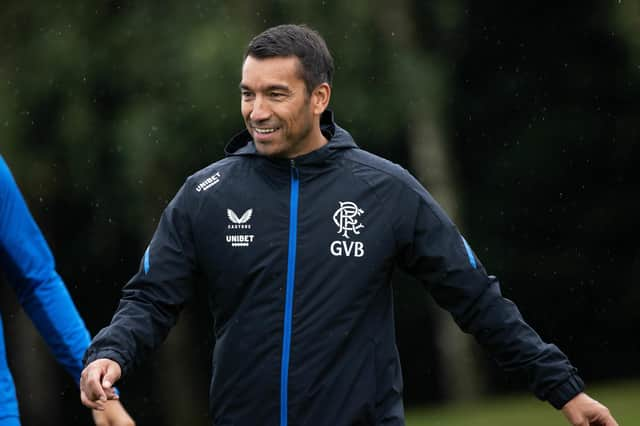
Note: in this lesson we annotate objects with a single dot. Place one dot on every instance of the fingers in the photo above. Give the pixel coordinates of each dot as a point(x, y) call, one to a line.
point(90, 383)
point(87, 402)
point(111, 375)
point(602, 417)
point(96, 383)
point(111, 394)
point(609, 420)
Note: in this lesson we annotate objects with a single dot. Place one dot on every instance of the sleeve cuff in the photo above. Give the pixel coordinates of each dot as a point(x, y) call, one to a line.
point(565, 391)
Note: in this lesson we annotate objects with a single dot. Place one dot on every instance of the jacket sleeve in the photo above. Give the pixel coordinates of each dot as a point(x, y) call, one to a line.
point(152, 300)
point(435, 252)
point(30, 270)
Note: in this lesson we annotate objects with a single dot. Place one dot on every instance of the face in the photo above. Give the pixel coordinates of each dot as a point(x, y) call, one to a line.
point(281, 116)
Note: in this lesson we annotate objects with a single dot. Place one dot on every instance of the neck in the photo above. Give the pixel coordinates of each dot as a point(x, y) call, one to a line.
point(315, 141)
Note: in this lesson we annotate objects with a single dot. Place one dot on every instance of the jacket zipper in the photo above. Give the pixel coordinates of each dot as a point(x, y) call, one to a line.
point(288, 304)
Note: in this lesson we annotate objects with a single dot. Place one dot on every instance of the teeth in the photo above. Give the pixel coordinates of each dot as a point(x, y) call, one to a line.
point(264, 131)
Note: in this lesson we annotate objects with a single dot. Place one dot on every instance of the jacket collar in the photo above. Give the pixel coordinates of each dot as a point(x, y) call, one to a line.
point(242, 144)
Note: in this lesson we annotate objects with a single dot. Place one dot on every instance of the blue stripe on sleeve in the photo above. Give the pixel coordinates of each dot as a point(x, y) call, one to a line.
point(472, 258)
point(146, 260)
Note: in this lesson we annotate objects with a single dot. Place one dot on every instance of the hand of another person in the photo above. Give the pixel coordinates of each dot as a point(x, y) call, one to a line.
point(583, 410)
point(96, 383)
point(113, 414)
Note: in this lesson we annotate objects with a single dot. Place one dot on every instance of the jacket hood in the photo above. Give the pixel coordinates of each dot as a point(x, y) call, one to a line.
point(242, 143)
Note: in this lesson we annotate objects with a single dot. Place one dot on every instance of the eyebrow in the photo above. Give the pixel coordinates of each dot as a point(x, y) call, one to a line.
point(268, 88)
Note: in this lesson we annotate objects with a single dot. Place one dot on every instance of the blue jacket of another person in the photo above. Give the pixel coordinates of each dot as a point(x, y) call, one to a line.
point(29, 268)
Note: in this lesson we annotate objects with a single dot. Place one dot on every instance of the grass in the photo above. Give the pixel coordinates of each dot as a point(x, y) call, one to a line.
point(623, 399)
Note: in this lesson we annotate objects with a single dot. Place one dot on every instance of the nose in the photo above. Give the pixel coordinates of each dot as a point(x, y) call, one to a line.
point(260, 110)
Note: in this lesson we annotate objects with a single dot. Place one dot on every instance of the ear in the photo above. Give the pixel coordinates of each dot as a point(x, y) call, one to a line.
point(320, 98)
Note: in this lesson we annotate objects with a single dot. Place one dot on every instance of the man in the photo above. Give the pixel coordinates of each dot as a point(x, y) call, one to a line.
point(295, 234)
point(29, 267)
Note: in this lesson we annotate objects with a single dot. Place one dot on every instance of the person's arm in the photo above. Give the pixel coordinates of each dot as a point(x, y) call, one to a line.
point(433, 250)
point(113, 414)
point(150, 304)
point(30, 269)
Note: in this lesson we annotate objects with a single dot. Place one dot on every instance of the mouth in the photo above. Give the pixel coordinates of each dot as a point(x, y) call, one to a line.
point(264, 130)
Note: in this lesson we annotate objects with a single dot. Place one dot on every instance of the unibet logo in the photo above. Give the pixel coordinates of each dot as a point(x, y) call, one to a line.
point(238, 223)
point(347, 248)
point(208, 182)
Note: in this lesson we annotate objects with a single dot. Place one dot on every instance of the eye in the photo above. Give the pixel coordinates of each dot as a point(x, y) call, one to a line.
point(277, 95)
point(246, 94)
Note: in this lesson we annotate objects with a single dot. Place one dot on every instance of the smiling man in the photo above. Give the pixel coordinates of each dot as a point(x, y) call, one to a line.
point(282, 101)
point(296, 234)
point(280, 111)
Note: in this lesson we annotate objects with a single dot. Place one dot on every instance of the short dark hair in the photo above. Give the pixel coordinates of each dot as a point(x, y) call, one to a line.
point(300, 41)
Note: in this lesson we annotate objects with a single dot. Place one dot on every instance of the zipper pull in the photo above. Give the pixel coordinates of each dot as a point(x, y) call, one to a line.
point(294, 169)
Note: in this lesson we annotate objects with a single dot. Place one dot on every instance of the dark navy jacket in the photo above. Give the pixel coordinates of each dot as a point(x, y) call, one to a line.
point(297, 257)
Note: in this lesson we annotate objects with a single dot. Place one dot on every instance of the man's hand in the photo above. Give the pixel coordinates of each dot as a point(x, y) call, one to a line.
point(583, 410)
point(113, 414)
point(96, 383)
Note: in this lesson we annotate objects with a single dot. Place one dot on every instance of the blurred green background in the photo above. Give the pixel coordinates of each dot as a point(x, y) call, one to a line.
point(621, 398)
point(521, 118)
